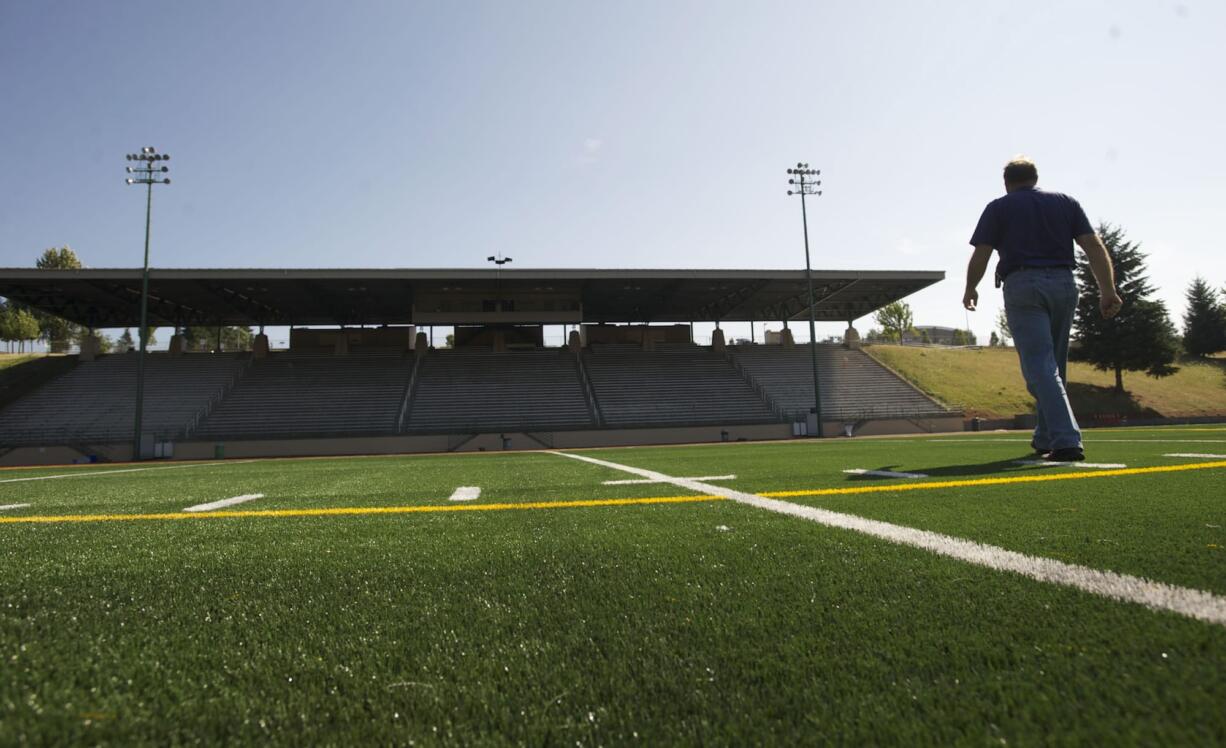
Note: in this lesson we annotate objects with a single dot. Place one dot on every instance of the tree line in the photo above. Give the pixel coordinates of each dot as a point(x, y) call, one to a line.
point(21, 328)
point(1140, 338)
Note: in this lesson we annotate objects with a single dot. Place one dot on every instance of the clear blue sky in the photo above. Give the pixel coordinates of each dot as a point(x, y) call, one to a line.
point(626, 134)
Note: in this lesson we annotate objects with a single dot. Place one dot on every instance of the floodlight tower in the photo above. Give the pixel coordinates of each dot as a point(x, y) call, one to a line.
point(148, 172)
point(498, 260)
point(803, 184)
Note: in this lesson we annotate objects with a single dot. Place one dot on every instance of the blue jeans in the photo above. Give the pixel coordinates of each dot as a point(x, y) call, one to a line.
point(1039, 303)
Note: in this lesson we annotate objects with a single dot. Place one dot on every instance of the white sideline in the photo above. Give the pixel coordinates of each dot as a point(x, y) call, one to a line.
point(1091, 440)
point(1198, 604)
point(884, 473)
point(124, 470)
point(12, 506)
point(1196, 454)
point(636, 481)
point(212, 505)
point(1047, 463)
point(466, 493)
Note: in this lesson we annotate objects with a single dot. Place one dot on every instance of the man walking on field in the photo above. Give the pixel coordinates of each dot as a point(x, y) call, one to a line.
point(1034, 232)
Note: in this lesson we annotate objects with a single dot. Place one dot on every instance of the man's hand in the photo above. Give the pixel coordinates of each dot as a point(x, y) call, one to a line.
point(1110, 303)
point(974, 273)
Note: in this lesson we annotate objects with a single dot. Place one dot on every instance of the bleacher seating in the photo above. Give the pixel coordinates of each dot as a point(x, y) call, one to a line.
point(475, 390)
point(854, 387)
point(676, 384)
point(306, 394)
point(462, 391)
point(96, 401)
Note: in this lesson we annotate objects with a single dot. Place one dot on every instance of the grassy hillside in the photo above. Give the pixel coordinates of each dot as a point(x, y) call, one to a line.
point(12, 359)
point(987, 382)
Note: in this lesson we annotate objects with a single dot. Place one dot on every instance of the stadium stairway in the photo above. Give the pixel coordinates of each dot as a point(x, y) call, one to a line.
point(674, 385)
point(854, 386)
point(312, 394)
point(95, 402)
point(475, 390)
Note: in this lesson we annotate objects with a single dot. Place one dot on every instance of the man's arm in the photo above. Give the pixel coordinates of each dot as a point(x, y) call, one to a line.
point(1109, 301)
point(974, 273)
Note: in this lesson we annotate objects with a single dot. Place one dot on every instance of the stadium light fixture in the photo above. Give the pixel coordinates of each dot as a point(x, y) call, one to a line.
point(499, 261)
point(804, 184)
point(148, 175)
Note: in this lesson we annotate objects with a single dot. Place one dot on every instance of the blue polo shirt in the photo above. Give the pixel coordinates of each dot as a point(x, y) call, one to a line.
point(1032, 228)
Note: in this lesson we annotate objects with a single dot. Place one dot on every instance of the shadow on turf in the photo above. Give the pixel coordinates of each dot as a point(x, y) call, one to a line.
point(953, 471)
point(1090, 400)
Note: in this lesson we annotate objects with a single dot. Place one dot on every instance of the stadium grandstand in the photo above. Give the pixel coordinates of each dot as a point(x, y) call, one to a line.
point(360, 374)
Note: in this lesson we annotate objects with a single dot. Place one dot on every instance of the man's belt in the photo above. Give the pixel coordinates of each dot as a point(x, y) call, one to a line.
point(1000, 279)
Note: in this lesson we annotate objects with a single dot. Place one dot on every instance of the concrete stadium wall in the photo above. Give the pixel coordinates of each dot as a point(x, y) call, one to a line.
point(368, 445)
point(940, 424)
point(52, 454)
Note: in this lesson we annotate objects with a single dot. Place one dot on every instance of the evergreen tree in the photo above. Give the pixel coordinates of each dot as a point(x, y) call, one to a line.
point(994, 340)
point(125, 342)
point(1139, 338)
point(59, 333)
point(1204, 322)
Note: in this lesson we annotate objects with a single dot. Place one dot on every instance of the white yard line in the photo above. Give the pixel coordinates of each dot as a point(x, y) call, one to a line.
point(1198, 604)
point(1196, 454)
point(1091, 440)
point(1048, 463)
point(884, 473)
point(466, 493)
point(214, 505)
point(12, 506)
point(124, 470)
point(636, 481)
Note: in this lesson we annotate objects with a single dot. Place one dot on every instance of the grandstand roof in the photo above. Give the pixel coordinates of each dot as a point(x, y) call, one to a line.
point(110, 297)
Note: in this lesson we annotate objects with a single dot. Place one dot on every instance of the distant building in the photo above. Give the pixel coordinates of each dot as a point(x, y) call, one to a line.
point(939, 335)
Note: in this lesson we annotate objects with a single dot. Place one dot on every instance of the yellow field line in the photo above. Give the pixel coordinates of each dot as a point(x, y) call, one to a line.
point(354, 511)
point(1044, 478)
point(357, 510)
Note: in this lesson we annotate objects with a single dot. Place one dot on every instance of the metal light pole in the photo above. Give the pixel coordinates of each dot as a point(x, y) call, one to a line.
point(802, 185)
point(145, 174)
point(499, 261)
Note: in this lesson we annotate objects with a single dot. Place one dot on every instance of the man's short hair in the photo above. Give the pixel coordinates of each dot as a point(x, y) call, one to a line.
point(1021, 170)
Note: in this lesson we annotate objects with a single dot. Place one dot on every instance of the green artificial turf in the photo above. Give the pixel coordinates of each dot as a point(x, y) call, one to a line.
point(693, 623)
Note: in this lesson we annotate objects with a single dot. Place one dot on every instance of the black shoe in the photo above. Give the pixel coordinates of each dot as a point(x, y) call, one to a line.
point(1040, 451)
point(1066, 454)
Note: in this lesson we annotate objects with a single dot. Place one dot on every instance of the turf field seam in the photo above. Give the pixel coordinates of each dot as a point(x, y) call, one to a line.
point(356, 510)
point(1197, 604)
